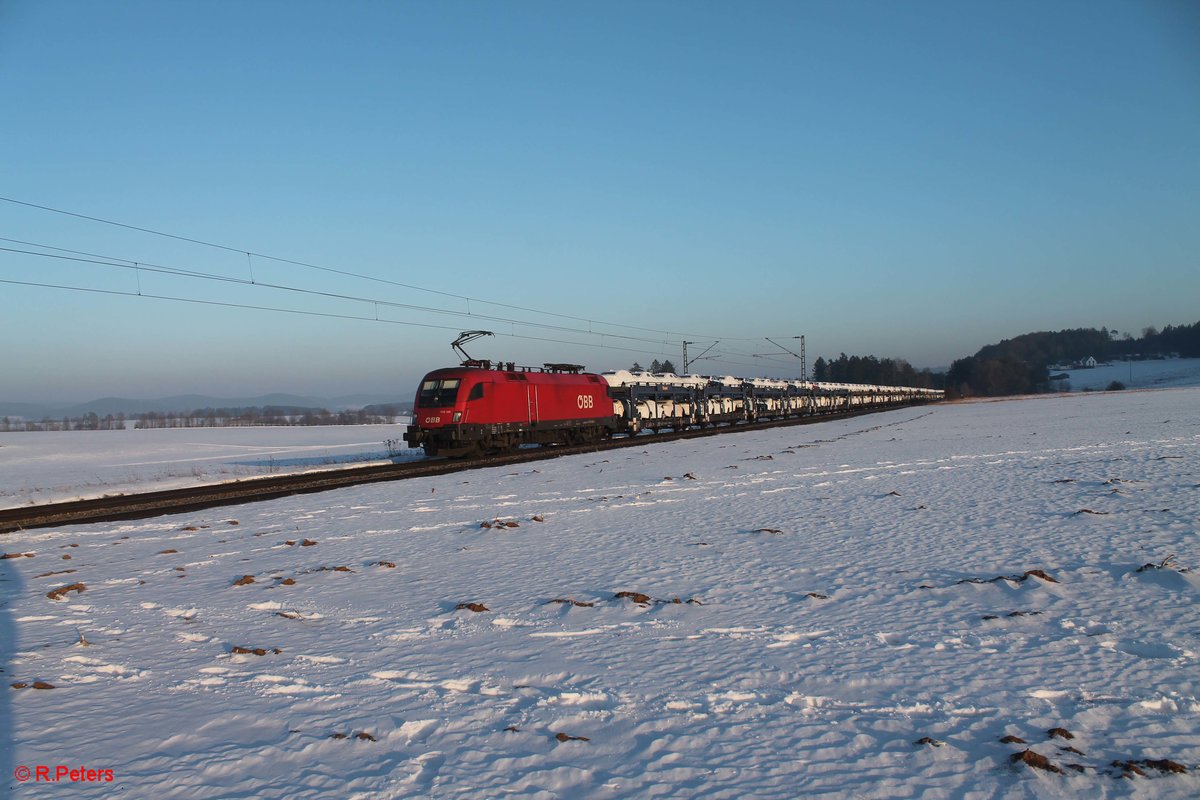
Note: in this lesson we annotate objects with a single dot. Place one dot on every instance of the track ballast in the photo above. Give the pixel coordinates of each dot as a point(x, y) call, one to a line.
point(173, 501)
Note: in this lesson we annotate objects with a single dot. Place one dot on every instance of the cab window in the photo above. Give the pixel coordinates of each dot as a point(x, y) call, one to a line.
point(476, 392)
point(438, 393)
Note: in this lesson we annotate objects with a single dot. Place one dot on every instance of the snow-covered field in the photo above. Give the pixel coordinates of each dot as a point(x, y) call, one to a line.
point(857, 616)
point(44, 467)
point(1174, 372)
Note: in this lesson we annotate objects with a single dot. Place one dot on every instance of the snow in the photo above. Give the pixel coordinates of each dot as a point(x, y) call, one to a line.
point(1175, 372)
point(858, 584)
point(42, 467)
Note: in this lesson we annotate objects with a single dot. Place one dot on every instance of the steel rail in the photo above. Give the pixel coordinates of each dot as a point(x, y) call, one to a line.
point(143, 505)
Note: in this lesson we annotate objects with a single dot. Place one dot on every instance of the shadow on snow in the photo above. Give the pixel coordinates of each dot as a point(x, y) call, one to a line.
point(10, 588)
point(323, 461)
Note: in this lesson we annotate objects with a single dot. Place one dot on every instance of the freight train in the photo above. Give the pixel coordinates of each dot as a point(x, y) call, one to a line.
point(482, 407)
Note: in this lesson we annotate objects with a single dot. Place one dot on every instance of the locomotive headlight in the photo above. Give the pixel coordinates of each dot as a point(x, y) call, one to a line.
point(457, 416)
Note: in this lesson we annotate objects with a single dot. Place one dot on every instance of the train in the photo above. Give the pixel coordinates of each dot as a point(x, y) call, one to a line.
point(482, 407)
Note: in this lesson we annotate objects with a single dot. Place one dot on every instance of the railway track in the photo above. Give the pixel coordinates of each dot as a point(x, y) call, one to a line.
point(173, 501)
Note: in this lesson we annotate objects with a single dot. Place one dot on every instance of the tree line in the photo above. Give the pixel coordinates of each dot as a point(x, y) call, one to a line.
point(872, 370)
point(1016, 366)
point(207, 418)
point(1021, 365)
point(655, 366)
point(1076, 344)
point(995, 377)
point(88, 422)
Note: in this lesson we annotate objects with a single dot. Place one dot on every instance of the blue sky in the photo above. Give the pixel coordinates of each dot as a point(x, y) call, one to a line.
point(911, 180)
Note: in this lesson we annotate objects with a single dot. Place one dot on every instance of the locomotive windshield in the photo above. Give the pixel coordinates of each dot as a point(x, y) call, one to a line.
point(435, 394)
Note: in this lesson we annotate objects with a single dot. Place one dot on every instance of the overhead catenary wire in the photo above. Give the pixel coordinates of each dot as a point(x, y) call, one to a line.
point(658, 344)
point(323, 314)
point(347, 273)
point(660, 350)
point(86, 257)
point(112, 261)
point(302, 312)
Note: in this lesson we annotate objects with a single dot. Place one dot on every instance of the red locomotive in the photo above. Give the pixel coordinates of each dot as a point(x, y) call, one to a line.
point(481, 408)
point(470, 409)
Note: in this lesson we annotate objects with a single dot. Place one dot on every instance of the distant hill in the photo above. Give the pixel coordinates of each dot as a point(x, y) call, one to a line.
point(1077, 344)
point(353, 402)
point(191, 402)
point(1051, 347)
point(29, 410)
point(1019, 365)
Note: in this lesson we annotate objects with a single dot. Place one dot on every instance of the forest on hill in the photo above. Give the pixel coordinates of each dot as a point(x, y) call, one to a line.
point(869, 369)
point(1074, 345)
point(1020, 365)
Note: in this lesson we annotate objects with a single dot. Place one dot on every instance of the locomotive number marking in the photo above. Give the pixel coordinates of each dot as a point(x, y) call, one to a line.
point(585, 401)
point(432, 420)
